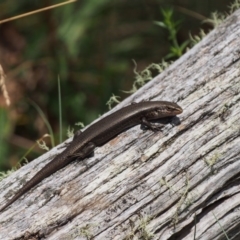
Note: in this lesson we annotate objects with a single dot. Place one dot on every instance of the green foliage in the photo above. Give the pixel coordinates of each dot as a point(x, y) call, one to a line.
point(41, 113)
point(60, 109)
point(113, 99)
point(73, 30)
point(234, 6)
point(146, 75)
point(216, 18)
point(172, 26)
point(5, 174)
point(220, 225)
point(197, 38)
point(5, 126)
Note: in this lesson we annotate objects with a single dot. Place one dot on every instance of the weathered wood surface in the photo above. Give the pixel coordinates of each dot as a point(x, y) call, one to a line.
point(176, 184)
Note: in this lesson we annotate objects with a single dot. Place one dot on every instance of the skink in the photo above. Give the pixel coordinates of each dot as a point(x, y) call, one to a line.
point(99, 133)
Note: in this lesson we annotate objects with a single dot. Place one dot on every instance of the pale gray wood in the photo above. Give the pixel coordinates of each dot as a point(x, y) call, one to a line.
point(141, 185)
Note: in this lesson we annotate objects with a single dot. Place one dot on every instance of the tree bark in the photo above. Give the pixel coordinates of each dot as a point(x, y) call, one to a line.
point(181, 183)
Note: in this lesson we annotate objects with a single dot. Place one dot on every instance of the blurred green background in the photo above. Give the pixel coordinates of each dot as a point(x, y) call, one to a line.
point(90, 45)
